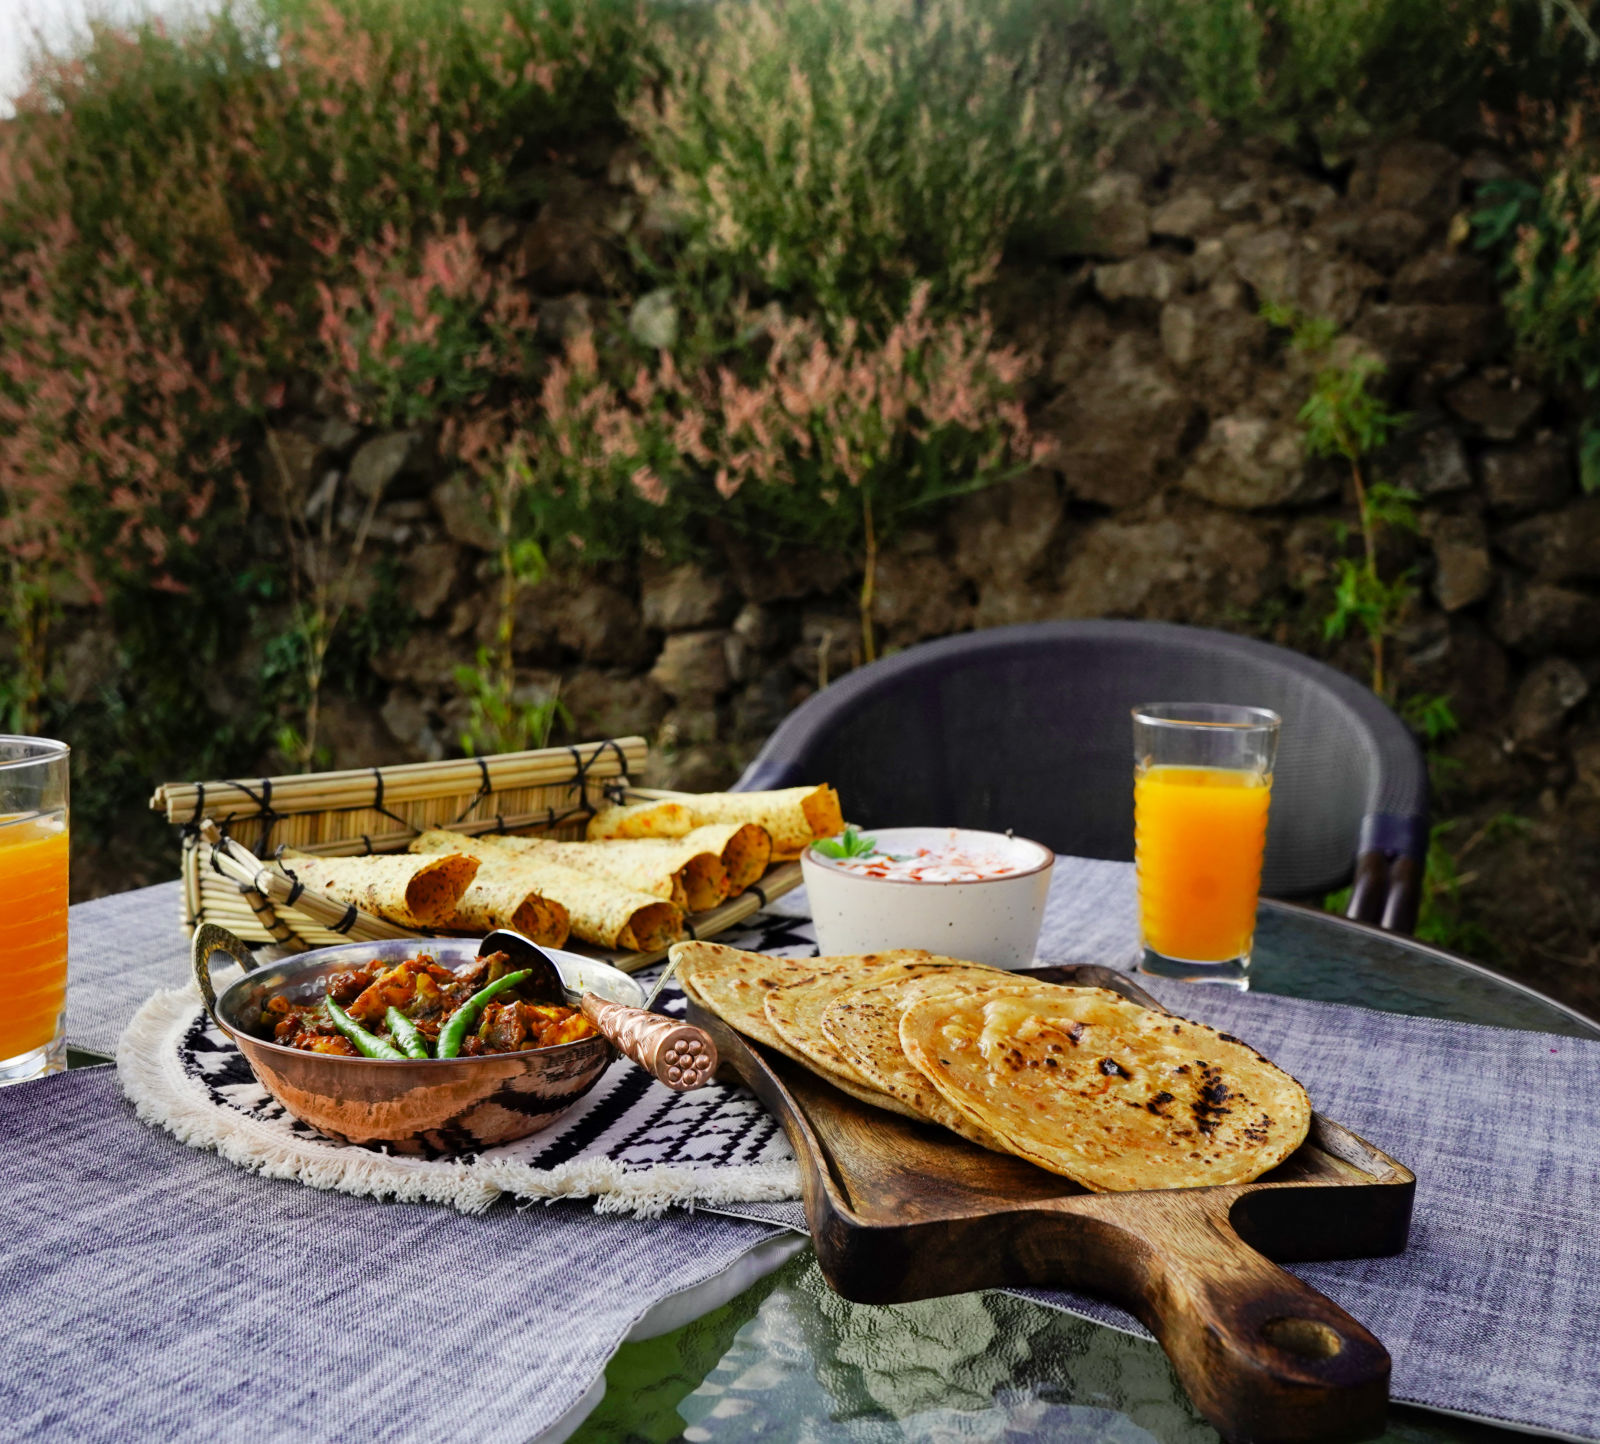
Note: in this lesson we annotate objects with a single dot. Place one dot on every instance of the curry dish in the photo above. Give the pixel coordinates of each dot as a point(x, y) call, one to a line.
point(421, 1009)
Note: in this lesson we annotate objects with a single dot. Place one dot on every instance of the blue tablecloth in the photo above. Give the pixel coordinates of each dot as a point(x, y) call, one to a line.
point(155, 1291)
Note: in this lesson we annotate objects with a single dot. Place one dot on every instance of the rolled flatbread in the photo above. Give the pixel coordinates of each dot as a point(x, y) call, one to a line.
point(601, 910)
point(705, 866)
point(410, 891)
point(794, 816)
point(497, 900)
point(641, 819)
point(689, 877)
point(744, 848)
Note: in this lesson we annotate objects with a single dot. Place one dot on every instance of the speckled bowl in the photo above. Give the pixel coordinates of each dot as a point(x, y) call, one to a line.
point(994, 921)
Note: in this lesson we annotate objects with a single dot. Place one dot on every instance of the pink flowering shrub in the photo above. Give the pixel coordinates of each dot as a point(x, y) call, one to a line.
point(828, 442)
point(194, 227)
point(413, 330)
point(201, 230)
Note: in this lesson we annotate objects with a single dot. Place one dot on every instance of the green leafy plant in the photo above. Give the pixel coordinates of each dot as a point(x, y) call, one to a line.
point(1344, 418)
point(29, 611)
point(835, 151)
point(1335, 71)
point(499, 721)
point(1589, 458)
point(849, 843)
point(1547, 237)
point(321, 586)
point(1431, 715)
point(1444, 918)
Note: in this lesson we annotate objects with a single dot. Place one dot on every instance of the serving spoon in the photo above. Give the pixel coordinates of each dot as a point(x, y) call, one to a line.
point(679, 1055)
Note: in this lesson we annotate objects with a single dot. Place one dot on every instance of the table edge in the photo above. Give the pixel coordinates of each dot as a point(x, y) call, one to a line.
point(1438, 954)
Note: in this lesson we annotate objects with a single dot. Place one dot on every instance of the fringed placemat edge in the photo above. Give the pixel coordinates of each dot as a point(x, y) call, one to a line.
point(164, 1097)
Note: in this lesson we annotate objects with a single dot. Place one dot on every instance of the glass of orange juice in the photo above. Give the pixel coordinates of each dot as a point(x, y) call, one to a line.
point(33, 907)
point(1201, 783)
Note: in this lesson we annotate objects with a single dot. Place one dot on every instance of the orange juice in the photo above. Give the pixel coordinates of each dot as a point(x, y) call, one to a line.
point(1198, 834)
point(33, 931)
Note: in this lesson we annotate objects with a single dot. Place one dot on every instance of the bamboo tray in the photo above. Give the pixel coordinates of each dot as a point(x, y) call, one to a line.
point(232, 828)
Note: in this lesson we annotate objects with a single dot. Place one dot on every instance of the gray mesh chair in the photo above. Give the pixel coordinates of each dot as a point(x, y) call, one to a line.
point(1028, 728)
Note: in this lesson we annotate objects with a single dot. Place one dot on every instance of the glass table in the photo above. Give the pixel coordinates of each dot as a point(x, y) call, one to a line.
point(788, 1359)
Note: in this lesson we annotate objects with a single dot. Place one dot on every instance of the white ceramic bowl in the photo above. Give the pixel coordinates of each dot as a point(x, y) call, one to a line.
point(995, 920)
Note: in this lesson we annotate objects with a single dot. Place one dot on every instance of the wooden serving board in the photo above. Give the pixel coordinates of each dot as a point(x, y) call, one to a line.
point(901, 1210)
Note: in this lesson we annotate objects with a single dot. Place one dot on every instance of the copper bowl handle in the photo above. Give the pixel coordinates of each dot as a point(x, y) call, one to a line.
point(209, 940)
point(680, 1055)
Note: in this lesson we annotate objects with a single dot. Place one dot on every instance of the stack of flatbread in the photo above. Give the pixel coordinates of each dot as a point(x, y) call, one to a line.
point(1080, 1081)
point(629, 888)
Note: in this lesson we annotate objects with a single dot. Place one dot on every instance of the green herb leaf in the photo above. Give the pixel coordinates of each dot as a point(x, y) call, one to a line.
point(850, 843)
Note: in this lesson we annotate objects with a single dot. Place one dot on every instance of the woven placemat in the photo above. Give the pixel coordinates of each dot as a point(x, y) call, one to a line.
point(630, 1144)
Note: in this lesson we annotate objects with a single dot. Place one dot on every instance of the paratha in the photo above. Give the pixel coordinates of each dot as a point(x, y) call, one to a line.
point(1085, 1083)
point(795, 1014)
point(863, 1026)
point(735, 985)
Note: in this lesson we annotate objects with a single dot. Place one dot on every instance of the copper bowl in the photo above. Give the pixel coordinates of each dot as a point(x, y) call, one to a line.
point(435, 1106)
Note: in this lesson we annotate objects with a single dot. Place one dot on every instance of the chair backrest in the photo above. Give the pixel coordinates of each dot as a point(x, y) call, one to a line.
point(1029, 728)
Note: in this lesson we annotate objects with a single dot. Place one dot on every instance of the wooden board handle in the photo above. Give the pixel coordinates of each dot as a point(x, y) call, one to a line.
point(680, 1055)
point(1265, 1357)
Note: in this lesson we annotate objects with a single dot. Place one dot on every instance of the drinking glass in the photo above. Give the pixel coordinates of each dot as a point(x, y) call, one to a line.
point(1201, 783)
point(33, 907)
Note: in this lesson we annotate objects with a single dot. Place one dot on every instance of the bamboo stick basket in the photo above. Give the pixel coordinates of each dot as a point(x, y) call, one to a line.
point(231, 829)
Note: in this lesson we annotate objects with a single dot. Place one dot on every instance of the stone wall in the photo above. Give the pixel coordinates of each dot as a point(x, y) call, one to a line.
point(1176, 487)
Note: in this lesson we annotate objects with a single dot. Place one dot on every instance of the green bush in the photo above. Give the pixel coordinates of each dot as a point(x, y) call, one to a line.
point(830, 441)
point(197, 227)
point(833, 151)
point(1547, 235)
point(202, 231)
point(1334, 71)
point(1552, 269)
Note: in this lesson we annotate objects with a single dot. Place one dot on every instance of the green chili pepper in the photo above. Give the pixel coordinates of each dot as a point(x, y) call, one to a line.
point(367, 1044)
point(406, 1034)
point(454, 1033)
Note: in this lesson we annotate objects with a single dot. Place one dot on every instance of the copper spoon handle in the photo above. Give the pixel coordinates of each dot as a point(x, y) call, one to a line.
point(679, 1054)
